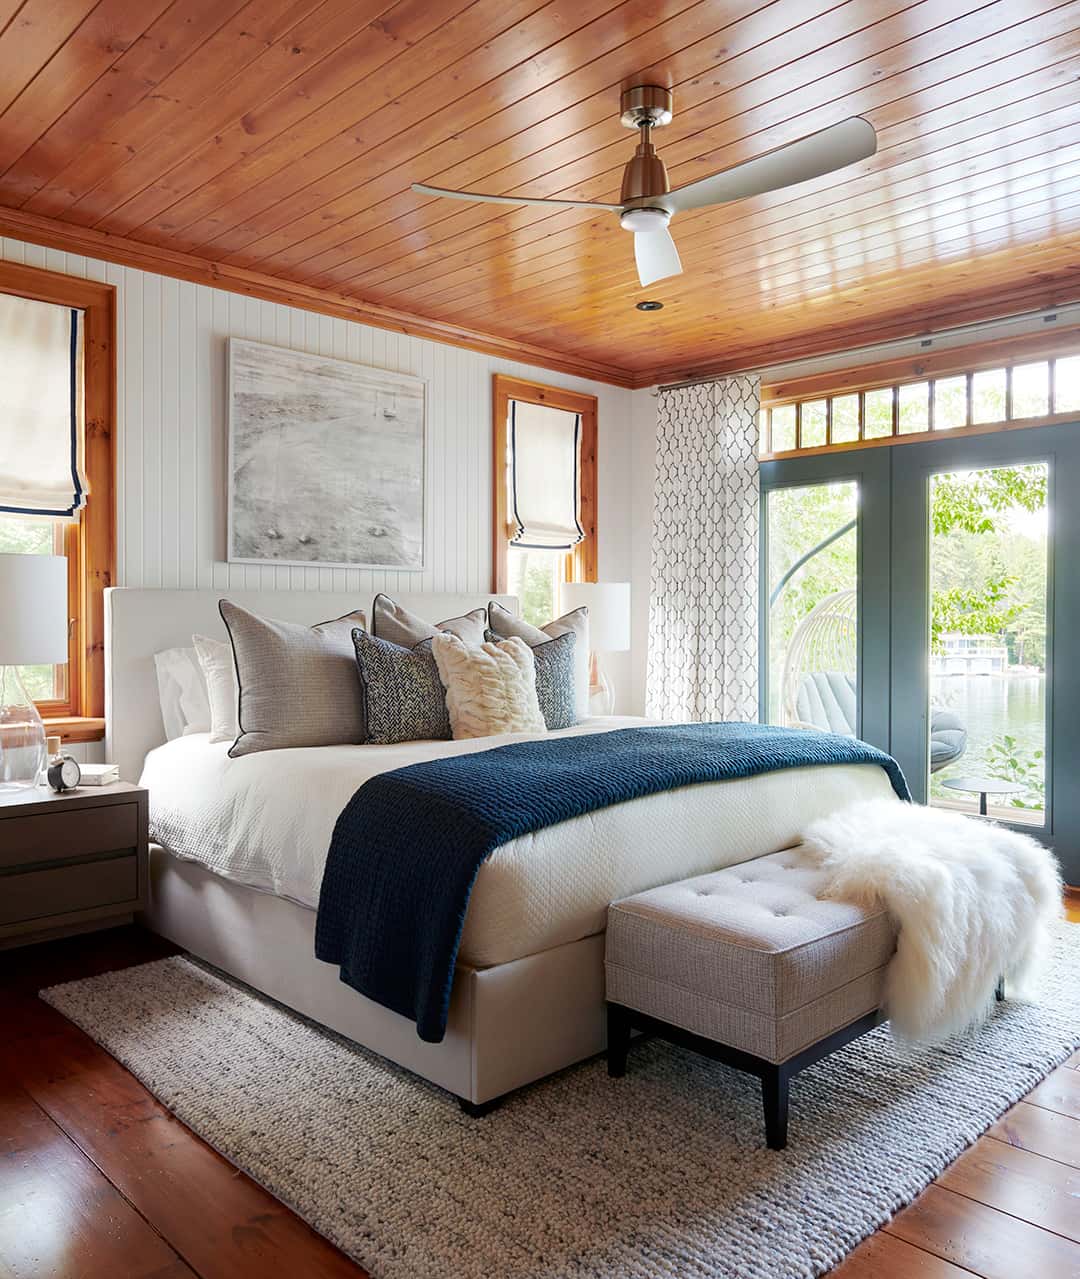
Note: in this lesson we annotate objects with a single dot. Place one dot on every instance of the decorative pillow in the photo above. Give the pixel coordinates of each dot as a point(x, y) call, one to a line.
point(297, 683)
point(219, 672)
point(555, 684)
point(185, 707)
point(504, 624)
point(489, 690)
point(402, 695)
point(389, 621)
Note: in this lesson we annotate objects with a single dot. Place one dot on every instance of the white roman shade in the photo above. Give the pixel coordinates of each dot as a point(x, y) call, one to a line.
point(544, 476)
point(41, 437)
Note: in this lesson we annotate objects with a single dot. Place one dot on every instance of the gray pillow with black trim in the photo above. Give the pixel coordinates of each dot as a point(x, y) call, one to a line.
point(402, 696)
point(556, 682)
point(297, 684)
point(389, 621)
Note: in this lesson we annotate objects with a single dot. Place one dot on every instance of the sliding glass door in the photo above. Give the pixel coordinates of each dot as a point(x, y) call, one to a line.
point(942, 623)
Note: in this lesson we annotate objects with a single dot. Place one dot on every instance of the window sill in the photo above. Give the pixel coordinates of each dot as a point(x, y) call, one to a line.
point(76, 728)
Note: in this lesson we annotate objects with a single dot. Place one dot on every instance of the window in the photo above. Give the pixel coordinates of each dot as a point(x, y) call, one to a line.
point(971, 389)
point(544, 458)
point(71, 696)
point(27, 535)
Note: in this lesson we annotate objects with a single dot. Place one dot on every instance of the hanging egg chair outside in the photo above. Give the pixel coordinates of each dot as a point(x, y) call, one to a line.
point(818, 687)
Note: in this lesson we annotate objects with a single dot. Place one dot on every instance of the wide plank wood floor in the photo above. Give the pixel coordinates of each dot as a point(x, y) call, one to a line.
point(99, 1181)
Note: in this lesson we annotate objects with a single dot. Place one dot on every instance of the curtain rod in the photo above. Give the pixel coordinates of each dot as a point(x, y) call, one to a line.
point(1048, 316)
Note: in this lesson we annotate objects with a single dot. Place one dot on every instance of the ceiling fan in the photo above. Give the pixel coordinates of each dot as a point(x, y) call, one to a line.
point(647, 202)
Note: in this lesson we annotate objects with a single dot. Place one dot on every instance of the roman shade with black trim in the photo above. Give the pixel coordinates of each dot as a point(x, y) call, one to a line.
point(41, 436)
point(544, 477)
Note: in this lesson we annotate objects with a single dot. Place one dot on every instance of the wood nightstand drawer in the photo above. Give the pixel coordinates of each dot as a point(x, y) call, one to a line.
point(70, 832)
point(38, 894)
point(71, 862)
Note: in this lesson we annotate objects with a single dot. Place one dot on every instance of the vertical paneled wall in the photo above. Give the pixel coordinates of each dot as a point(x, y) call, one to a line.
point(172, 436)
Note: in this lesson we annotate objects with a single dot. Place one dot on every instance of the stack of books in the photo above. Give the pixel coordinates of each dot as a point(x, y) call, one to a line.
point(98, 774)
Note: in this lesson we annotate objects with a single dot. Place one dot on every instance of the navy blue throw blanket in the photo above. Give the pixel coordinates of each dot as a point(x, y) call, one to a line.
point(409, 844)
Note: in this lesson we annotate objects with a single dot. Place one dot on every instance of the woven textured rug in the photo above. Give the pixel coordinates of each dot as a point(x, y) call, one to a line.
point(663, 1173)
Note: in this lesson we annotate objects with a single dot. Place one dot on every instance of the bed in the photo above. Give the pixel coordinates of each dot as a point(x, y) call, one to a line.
point(238, 849)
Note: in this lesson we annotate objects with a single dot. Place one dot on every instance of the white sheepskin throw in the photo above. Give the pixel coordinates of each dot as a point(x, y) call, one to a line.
point(490, 689)
point(971, 902)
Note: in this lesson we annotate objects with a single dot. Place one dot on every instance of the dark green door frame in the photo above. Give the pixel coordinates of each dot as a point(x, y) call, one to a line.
point(893, 562)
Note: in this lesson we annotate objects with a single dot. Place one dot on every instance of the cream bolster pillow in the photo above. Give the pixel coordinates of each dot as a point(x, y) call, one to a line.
point(490, 689)
point(297, 684)
point(505, 624)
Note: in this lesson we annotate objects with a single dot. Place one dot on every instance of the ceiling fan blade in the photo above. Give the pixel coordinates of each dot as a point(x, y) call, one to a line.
point(811, 157)
point(422, 189)
point(656, 256)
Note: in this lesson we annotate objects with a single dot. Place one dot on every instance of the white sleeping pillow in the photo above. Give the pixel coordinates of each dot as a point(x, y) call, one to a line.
point(490, 689)
point(219, 671)
point(185, 707)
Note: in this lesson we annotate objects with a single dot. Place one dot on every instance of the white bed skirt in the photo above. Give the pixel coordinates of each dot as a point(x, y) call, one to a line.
point(509, 1024)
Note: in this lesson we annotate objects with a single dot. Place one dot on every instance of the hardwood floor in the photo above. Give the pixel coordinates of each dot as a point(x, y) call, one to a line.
point(99, 1181)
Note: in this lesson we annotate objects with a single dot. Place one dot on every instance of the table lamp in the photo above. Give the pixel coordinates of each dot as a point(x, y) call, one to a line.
point(33, 632)
point(609, 626)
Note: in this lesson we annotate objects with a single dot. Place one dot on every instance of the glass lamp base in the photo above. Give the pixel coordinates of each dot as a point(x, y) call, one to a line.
point(601, 691)
point(22, 734)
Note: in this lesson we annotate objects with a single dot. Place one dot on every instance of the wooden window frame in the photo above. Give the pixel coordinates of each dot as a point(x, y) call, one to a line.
point(581, 562)
point(89, 542)
point(965, 361)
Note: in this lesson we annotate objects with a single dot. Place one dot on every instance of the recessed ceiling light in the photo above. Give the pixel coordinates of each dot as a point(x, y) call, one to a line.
point(649, 306)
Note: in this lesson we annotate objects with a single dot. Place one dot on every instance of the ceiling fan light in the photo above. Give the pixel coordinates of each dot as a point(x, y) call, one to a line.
point(644, 219)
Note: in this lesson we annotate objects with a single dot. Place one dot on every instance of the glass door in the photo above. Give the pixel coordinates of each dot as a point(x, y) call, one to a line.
point(987, 588)
point(813, 603)
point(964, 567)
point(824, 635)
point(986, 602)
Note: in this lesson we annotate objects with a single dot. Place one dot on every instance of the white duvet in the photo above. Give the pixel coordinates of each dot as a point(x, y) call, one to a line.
point(266, 820)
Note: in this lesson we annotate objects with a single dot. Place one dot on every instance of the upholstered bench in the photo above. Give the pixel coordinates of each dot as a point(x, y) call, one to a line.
point(750, 965)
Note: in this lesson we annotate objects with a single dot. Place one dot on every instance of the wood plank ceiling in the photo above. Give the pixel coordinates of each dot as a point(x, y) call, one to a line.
point(269, 145)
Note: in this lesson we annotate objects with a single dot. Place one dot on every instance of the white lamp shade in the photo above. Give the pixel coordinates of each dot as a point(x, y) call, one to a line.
point(609, 612)
point(33, 610)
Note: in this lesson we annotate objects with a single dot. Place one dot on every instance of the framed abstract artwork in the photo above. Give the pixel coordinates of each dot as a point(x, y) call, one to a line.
point(326, 461)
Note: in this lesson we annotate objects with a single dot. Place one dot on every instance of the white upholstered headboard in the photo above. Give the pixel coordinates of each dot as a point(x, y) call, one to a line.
point(140, 623)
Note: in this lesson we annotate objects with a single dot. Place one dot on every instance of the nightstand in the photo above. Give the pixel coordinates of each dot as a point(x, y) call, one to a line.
point(72, 862)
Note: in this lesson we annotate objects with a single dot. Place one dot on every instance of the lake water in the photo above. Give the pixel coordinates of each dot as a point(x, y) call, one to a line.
point(991, 706)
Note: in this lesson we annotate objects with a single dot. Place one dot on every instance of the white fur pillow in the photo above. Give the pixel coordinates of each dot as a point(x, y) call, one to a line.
point(490, 689)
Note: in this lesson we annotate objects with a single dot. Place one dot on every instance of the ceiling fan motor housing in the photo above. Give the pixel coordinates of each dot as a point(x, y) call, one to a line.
point(645, 177)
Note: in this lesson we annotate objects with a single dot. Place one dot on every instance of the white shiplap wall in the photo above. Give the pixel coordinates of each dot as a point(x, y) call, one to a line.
point(171, 436)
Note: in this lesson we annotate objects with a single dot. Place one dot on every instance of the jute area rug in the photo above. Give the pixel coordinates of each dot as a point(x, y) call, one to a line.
point(661, 1174)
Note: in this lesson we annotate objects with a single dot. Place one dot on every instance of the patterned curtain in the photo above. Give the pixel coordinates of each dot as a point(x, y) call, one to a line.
point(703, 611)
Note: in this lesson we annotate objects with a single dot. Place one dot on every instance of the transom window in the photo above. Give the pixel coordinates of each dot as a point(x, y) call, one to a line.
point(983, 396)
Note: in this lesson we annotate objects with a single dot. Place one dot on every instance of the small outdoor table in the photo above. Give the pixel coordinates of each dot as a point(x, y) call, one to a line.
point(983, 786)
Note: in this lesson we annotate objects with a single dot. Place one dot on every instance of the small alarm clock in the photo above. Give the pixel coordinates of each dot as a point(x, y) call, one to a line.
point(63, 773)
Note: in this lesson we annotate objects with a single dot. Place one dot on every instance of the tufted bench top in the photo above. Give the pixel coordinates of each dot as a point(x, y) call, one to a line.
point(753, 956)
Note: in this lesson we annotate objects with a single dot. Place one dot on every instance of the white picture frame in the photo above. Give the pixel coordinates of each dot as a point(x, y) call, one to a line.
point(327, 461)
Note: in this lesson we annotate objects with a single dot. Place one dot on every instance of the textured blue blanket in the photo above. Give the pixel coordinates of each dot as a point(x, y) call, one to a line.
point(408, 845)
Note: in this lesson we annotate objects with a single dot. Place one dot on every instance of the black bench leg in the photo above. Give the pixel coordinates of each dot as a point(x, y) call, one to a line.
point(774, 1098)
point(999, 993)
point(618, 1040)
